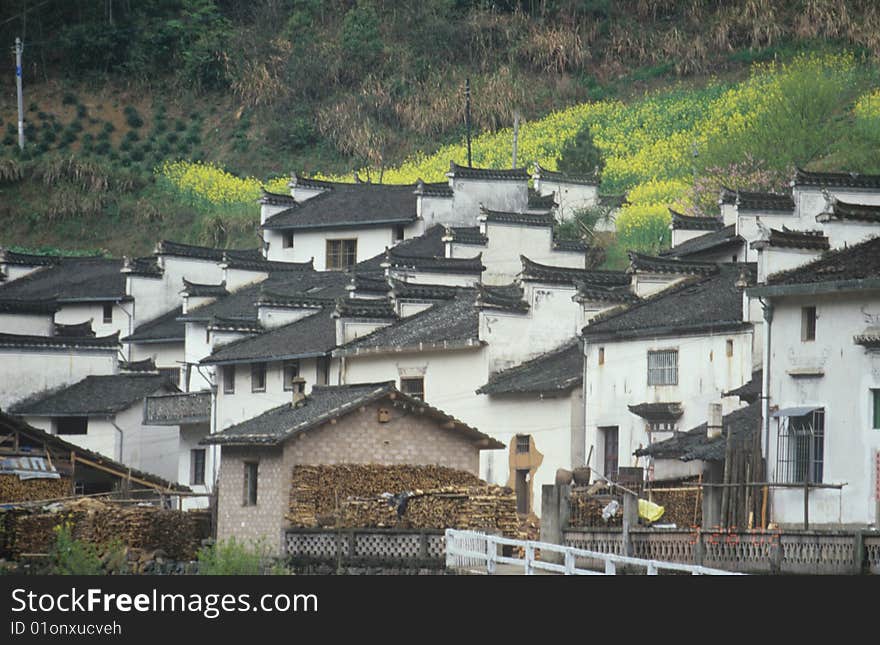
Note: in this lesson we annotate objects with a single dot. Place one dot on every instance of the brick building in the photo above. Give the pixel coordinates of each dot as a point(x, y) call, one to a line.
point(367, 423)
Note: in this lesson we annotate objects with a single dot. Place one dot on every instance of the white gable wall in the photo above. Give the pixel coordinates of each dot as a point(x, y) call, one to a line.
point(27, 324)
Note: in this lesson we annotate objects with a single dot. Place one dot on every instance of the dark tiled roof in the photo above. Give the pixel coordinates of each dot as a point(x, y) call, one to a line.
point(240, 304)
point(543, 173)
point(314, 335)
point(744, 424)
point(707, 303)
point(94, 395)
point(308, 182)
point(541, 202)
point(242, 260)
point(166, 247)
point(467, 235)
point(852, 212)
point(329, 402)
point(146, 365)
point(472, 265)
point(786, 238)
point(556, 371)
point(657, 412)
point(28, 306)
point(364, 308)
point(691, 223)
point(751, 391)
point(869, 338)
point(276, 199)
point(70, 280)
point(235, 324)
point(440, 189)
point(46, 439)
point(708, 242)
point(570, 245)
point(86, 342)
point(566, 275)
point(77, 330)
point(448, 324)
point(654, 264)
point(589, 292)
point(545, 219)
point(463, 172)
point(146, 266)
point(27, 259)
point(756, 201)
point(198, 290)
point(362, 283)
point(427, 245)
point(857, 262)
point(835, 179)
point(417, 291)
point(505, 297)
point(350, 205)
point(166, 327)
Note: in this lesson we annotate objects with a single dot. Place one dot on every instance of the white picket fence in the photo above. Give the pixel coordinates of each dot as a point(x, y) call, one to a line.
point(479, 553)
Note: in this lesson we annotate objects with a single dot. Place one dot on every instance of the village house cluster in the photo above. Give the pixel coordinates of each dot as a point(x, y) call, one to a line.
point(445, 324)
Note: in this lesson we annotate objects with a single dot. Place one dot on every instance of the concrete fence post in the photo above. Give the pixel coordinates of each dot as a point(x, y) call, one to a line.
point(630, 521)
point(858, 552)
point(555, 511)
point(699, 549)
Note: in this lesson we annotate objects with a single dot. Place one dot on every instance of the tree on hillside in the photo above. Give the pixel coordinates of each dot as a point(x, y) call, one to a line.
point(581, 156)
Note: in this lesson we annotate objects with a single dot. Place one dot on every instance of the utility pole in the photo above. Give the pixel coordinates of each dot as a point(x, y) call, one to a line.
point(515, 135)
point(18, 49)
point(467, 116)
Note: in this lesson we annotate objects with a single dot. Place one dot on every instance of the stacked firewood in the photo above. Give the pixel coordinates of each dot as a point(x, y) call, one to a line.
point(13, 489)
point(586, 509)
point(369, 496)
point(177, 533)
point(680, 507)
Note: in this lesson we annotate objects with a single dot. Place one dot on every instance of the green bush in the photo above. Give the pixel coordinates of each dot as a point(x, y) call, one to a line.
point(132, 136)
point(8, 140)
point(108, 127)
point(233, 558)
point(42, 116)
point(69, 99)
point(33, 107)
point(72, 557)
point(75, 126)
point(103, 147)
point(132, 118)
point(81, 111)
point(179, 125)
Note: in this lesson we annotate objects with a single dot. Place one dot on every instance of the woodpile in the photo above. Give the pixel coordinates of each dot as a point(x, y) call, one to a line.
point(13, 489)
point(351, 496)
point(586, 509)
point(177, 533)
point(681, 507)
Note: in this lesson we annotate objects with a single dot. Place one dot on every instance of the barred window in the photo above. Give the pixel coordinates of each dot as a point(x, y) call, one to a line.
point(229, 379)
point(414, 386)
point(197, 466)
point(800, 448)
point(523, 443)
point(291, 371)
point(663, 367)
point(258, 377)
point(341, 254)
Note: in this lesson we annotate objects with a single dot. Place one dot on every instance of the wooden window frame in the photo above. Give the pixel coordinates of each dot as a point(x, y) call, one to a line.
point(808, 324)
point(287, 240)
point(340, 254)
point(256, 370)
point(250, 488)
point(107, 313)
point(285, 366)
point(229, 379)
point(420, 395)
point(193, 471)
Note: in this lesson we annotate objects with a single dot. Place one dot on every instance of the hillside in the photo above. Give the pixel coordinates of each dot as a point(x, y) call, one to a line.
point(327, 87)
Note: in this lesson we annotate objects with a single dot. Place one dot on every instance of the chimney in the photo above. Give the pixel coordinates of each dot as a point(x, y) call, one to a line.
point(299, 390)
point(713, 426)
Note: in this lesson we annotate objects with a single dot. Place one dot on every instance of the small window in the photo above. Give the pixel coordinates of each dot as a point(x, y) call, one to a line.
point(207, 336)
point(258, 377)
point(288, 241)
point(601, 356)
point(808, 323)
point(661, 426)
point(875, 405)
point(291, 371)
point(523, 443)
point(415, 387)
point(197, 466)
point(663, 367)
point(729, 345)
point(72, 425)
point(800, 448)
point(250, 483)
point(172, 374)
point(108, 313)
point(398, 233)
point(229, 379)
point(341, 254)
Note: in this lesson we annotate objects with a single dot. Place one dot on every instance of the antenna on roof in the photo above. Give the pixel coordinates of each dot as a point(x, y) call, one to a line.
point(467, 116)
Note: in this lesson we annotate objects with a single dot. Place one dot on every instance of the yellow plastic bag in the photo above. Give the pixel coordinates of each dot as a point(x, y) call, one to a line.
point(650, 511)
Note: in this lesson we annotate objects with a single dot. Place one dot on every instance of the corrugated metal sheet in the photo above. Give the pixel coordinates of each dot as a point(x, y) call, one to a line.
point(28, 468)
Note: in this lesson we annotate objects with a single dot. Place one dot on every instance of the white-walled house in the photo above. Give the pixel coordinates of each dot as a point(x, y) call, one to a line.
point(536, 410)
point(571, 193)
point(823, 415)
point(654, 366)
point(44, 363)
point(105, 414)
